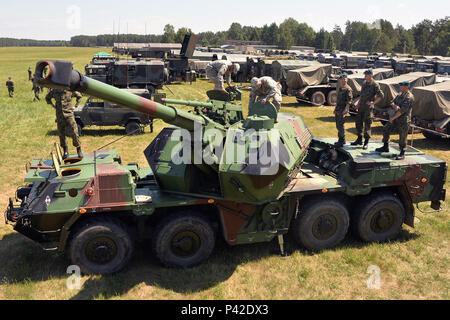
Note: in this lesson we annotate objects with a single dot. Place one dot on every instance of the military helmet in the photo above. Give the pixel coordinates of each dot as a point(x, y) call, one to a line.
point(404, 84)
point(343, 76)
point(368, 71)
point(255, 82)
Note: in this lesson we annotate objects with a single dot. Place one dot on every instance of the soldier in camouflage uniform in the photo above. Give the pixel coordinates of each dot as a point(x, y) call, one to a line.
point(265, 88)
point(65, 117)
point(217, 70)
point(37, 90)
point(10, 85)
point(402, 107)
point(370, 89)
point(344, 99)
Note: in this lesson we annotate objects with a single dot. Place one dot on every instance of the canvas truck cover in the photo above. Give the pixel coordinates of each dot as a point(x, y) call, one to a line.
point(356, 80)
point(281, 67)
point(391, 89)
point(432, 102)
point(308, 76)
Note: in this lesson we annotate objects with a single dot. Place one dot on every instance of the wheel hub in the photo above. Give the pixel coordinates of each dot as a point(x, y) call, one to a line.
point(101, 251)
point(185, 244)
point(382, 221)
point(325, 227)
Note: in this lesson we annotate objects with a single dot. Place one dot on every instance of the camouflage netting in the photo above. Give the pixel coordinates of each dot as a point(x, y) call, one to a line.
point(356, 80)
point(391, 89)
point(308, 76)
point(281, 67)
point(432, 102)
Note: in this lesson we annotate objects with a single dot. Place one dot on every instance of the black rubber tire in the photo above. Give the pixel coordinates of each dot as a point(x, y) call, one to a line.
point(197, 228)
point(332, 98)
point(302, 227)
point(101, 229)
point(368, 228)
point(133, 128)
point(318, 98)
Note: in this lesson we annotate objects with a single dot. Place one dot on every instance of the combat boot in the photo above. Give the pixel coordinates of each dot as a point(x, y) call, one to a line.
point(80, 154)
point(366, 144)
point(384, 148)
point(66, 153)
point(358, 142)
point(401, 156)
point(339, 144)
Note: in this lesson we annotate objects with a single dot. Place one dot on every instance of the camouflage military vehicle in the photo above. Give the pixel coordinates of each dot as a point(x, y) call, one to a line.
point(96, 207)
point(96, 112)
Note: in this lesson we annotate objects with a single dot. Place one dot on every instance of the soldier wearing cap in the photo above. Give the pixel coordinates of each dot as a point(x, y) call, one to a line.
point(10, 85)
point(217, 70)
point(344, 99)
point(370, 89)
point(402, 106)
point(265, 89)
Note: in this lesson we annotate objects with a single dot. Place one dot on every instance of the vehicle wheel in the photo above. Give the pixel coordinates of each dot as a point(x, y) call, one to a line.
point(431, 136)
point(332, 98)
point(133, 128)
point(321, 224)
point(101, 246)
point(379, 218)
point(318, 98)
point(183, 240)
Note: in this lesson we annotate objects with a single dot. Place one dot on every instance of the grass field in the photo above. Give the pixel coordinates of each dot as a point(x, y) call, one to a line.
point(416, 266)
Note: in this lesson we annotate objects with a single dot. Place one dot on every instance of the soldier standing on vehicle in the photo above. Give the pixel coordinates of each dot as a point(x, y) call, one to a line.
point(65, 117)
point(370, 89)
point(344, 99)
point(402, 107)
point(30, 73)
point(217, 70)
point(265, 89)
point(10, 85)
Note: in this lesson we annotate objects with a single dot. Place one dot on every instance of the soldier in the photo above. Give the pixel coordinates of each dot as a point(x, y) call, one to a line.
point(265, 88)
point(30, 73)
point(217, 70)
point(401, 120)
point(65, 117)
point(344, 99)
point(370, 89)
point(10, 85)
point(37, 90)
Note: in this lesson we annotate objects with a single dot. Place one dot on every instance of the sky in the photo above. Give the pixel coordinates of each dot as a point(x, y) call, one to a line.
point(60, 20)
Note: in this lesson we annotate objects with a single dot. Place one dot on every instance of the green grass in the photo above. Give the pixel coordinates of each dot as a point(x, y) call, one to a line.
point(413, 267)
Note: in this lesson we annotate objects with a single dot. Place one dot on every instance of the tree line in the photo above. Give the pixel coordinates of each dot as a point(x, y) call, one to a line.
point(426, 38)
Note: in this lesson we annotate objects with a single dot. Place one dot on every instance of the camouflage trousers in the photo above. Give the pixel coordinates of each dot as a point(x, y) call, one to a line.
point(218, 81)
point(11, 92)
point(340, 124)
point(364, 122)
point(63, 122)
point(402, 127)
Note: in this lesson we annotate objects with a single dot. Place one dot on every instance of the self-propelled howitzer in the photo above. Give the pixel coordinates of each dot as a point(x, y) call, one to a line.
point(252, 181)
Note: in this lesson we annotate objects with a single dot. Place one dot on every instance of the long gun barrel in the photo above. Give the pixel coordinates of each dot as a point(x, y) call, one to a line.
point(189, 103)
point(61, 75)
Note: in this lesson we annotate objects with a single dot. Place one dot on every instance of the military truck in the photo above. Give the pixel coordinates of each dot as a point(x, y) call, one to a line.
point(97, 112)
point(272, 178)
point(178, 64)
point(431, 110)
